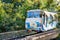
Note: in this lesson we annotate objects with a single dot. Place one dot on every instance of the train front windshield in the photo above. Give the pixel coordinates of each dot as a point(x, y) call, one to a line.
point(33, 14)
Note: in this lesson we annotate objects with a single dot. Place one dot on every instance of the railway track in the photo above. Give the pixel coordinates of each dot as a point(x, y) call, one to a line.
point(39, 36)
point(23, 35)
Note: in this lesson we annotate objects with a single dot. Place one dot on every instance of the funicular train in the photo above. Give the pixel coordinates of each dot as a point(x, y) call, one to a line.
point(39, 20)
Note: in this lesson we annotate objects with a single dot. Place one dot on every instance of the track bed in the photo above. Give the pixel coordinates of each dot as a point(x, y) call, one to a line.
point(22, 34)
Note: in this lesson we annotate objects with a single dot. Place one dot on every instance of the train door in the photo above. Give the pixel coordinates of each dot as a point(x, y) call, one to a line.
point(45, 20)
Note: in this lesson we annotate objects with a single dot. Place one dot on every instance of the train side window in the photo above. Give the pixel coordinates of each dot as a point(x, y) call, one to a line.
point(51, 17)
point(41, 14)
point(55, 18)
point(46, 20)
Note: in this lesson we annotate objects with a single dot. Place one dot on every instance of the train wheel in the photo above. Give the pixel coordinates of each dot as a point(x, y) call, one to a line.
point(28, 30)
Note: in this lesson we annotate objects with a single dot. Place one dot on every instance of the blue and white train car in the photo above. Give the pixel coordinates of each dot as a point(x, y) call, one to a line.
point(39, 20)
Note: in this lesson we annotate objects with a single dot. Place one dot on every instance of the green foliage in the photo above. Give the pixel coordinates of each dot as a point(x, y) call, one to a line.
point(13, 12)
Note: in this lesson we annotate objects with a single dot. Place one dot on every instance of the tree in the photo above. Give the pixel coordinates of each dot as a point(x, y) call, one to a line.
point(13, 12)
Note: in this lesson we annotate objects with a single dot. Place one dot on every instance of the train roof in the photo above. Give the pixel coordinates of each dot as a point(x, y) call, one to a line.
point(34, 10)
point(42, 10)
point(46, 12)
point(50, 13)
